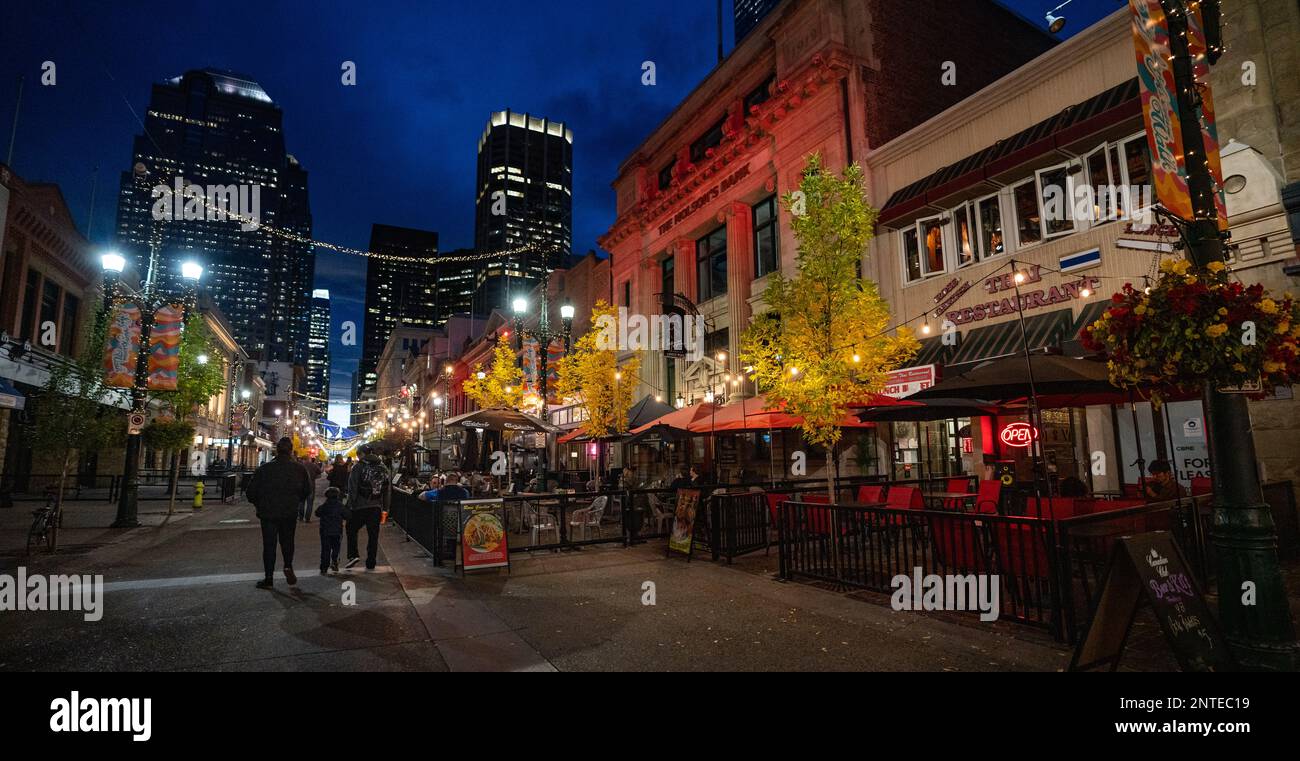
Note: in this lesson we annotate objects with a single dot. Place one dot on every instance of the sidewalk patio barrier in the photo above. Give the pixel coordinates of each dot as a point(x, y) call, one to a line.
point(868, 547)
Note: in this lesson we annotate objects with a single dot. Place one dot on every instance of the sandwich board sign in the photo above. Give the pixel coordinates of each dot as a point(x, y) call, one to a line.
point(483, 539)
point(683, 537)
point(1149, 566)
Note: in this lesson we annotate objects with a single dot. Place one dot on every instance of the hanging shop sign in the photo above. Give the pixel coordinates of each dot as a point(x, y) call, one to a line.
point(1018, 435)
point(1153, 237)
point(906, 381)
point(1004, 286)
point(704, 199)
point(122, 346)
point(483, 534)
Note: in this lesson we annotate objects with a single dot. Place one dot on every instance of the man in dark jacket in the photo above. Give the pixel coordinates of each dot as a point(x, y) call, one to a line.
point(277, 490)
point(369, 487)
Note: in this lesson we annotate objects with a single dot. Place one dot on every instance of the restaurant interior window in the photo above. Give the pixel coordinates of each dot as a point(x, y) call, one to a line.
point(1054, 189)
point(1029, 228)
point(911, 254)
point(990, 214)
point(666, 175)
point(710, 139)
point(963, 221)
point(711, 264)
point(931, 236)
point(1102, 185)
point(1137, 161)
point(765, 237)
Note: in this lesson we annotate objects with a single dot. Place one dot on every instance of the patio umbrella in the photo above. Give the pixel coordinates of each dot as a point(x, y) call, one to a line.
point(751, 415)
point(500, 419)
point(645, 411)
point(679, 420)
point(930, 409)
point(1007, 378)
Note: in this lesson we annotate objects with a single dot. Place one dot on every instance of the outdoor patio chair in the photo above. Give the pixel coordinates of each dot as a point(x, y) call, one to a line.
point(584, 519)
point(871, 494)
point(989, 499)
point(542, 522)
point(661, 513)
point(961, 484)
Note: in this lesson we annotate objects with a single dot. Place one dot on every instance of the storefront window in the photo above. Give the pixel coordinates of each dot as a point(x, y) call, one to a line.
point(1054, 190)
point(765, 237)
point(963, 223)
point(1100, 180)
point(931, 232)
point(1137, 161)
point(1028, 222)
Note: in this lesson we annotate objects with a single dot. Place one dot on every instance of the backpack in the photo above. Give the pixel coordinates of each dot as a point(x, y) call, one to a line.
point(373, 480)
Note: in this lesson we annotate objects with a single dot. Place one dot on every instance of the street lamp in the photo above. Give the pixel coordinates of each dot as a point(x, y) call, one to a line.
point(150, 301)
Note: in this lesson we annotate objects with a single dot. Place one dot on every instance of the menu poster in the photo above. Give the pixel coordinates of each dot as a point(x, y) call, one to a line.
point(683, 536)
point(483, 534)
point(1150, 566)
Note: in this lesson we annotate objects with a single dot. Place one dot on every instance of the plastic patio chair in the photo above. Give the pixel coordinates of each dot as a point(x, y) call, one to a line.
point(542, 521)
point(588, 517)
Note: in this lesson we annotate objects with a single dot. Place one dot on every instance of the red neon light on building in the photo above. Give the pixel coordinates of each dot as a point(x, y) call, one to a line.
point(1018, 434)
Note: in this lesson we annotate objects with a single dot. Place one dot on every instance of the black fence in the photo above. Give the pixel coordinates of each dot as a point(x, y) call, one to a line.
point(151, 485)
point(869, 547)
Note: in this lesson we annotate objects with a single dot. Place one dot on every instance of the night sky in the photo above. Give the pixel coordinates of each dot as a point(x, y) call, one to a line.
point(399, 147)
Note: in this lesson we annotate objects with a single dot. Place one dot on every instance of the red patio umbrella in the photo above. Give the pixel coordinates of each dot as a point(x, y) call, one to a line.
point(750, 415)
point(680, 419)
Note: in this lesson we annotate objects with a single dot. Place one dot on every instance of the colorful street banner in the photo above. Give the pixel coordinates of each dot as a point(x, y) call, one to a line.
point(530, 357)
point(1160, 107)
point(165, 347)
point(122, 345)
point(1200, 48)
point(484, 543)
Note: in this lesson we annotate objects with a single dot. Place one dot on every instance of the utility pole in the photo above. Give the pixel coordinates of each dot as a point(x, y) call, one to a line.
point(1261, 635)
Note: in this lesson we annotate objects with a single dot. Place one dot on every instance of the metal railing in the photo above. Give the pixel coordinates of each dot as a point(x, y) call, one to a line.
point(868, 547)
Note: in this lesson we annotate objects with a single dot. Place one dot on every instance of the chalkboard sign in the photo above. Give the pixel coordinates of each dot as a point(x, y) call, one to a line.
point(683, 537)
point(1150, 566)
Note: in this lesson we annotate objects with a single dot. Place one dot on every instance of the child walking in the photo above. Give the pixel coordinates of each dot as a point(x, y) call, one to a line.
point(331, 529)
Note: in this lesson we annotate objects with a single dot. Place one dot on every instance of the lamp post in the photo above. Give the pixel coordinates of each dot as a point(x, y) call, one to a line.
point(150, 302)
point(1262, 635)
point(543, 335)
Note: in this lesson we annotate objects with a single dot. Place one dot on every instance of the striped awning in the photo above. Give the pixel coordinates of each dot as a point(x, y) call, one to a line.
point(1050, 329)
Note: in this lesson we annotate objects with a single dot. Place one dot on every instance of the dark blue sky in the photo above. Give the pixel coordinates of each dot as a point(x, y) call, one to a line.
point(399, 147)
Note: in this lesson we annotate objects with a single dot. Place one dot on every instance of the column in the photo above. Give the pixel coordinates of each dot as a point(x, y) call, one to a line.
point(740, 275)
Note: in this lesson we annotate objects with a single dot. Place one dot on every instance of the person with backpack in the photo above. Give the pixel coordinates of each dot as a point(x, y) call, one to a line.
point(369, 487)
point(276, 490)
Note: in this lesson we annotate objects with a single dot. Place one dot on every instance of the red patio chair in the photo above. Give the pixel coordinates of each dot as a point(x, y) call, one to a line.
point(1056, 508)
point(871, 494)
point(990, 497)
point(961, 484)
point(905, 497)
point(956, 542)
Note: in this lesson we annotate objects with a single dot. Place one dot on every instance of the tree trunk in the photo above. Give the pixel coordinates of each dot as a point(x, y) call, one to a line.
point(831, 514)
point(58, 502)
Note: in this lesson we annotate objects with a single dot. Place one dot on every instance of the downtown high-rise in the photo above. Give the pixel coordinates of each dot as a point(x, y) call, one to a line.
point(211, 180)
point(318, 352)
point(401, 289)
point(523, 204)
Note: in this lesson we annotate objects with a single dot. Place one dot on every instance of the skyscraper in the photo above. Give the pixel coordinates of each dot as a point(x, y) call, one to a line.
point(213, 142)
point(748, 13)
point(318, 351)
point(524, 198)
point(401, 288)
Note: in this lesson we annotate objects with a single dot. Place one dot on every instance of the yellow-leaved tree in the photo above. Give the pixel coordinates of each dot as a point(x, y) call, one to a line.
point(591, 375)
point(825, 343)
point(502, 384)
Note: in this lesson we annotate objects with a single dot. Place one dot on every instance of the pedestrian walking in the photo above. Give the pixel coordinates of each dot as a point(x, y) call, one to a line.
point(276, 490)
point(313, 473)
point(331, 529)
point(338, 475)
point(369, 488)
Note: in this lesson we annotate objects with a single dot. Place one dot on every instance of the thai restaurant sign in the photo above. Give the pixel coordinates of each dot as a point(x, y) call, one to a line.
point(1151, 41)
point(1003, 288)
point(906, 381)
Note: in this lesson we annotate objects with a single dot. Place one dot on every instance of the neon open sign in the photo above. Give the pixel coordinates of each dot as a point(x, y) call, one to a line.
point(1018, 434)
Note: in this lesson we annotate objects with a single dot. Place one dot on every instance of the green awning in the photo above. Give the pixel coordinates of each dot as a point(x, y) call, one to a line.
point(1050, 329)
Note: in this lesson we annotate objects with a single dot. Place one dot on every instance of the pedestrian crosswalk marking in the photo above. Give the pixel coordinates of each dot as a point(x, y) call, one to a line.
point(228, 578)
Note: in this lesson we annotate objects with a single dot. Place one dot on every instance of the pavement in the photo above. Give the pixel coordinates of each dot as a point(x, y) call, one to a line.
point(179, 595)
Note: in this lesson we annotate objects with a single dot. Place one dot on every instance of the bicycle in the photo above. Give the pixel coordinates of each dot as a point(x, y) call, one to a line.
point(45, 526)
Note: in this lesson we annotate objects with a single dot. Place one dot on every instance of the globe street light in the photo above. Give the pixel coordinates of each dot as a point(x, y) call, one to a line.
point(113, 262)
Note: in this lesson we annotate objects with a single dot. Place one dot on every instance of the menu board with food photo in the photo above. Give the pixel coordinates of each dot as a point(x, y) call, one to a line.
point(688, 501)
point(483, 534)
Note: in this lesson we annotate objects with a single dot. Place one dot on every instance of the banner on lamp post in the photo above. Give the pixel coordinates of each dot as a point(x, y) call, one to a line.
point(122, 345)
point(1151, 40)
point(165, 347)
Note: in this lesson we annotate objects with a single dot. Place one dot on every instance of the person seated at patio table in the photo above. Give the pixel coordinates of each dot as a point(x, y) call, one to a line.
point(1162, 485)
point(452, 491)
point(682, 481)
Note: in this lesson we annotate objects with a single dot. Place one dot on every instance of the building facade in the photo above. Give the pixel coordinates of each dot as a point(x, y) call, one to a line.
point(214, 144)
point(523, 204)
point(698, 218)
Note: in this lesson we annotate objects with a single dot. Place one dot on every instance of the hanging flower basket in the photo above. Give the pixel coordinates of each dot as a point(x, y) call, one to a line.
point(1197, 326)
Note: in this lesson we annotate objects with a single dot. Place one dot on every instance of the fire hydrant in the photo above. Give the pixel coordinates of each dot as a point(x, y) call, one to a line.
point(198, 494)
